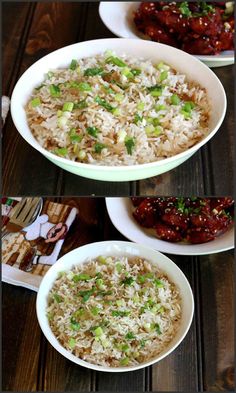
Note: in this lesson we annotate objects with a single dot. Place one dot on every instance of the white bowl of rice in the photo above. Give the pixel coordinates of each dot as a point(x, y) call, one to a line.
point(118, 109)
point(114, 306)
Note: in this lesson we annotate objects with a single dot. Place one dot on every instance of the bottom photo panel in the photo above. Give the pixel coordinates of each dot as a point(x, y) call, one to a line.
point(118, 294)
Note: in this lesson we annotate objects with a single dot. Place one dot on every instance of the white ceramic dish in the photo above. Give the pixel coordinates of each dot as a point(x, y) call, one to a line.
point(120, 212)
point(115, 248)
point(118, 18)
point(180, 60)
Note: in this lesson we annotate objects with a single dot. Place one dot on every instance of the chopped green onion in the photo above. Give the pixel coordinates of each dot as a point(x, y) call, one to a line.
point(142, 343)
point(50, 74)
point(175, 100)
point(35, 102)
point(102, 260)
point(39, 87)
point(155, 91)
point(130, 336)
point(158, 283)
point(116, 111)
point(125, 348)
point(93, 131)
point(141, 106)
point(73, 64)
point(68, 107)
point(128, 281)
point(81, 154)
point(127, 72)
point(124, 361)
point(74, 324)
point(116, 61)
point(84, 86)
point(184, 9)
point(62, 121)
point(129, 144)
point(98, 147)
point(61, 151)
point(137, 118)
point(136, 71)
point(93, 71)
point(157, 328)
point(115, 313)
point(81, 277)
point(78, 313)
point(163, 75)
point(188, 106)
point(72, 343)
point(54, 90)
point(98, 331)
point(86, 294)
point(119, 267)
point(160, 108)
point(119, 97)
point(81, 104)
point(57, 297)
point(104, 104)
point(95, 311)
point(74, 137)
point(186, 114)
point(100, 283)
point(141, 278)
point(162, 66)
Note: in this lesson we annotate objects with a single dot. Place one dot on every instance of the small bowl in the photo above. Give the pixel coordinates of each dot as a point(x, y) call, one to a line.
point(181, 61)
point(116, 248)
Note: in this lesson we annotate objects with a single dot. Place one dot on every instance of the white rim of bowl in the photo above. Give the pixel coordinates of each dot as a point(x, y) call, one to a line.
point(104, 168)
point(55, 343)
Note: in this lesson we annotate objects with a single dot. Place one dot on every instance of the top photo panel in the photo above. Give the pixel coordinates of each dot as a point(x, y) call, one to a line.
point(117, 98)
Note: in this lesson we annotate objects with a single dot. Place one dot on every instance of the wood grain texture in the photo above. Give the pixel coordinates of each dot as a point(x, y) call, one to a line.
point(21, 339)
point(217, 307)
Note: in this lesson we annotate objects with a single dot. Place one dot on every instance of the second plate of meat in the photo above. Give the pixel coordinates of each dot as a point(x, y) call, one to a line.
point(181, 226)
point(204, 29)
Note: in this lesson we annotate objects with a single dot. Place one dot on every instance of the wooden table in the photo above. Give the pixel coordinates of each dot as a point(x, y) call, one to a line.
point(30, 31)
point(202, 362)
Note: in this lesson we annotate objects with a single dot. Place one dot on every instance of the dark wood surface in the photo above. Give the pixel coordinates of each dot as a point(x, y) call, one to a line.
point(202, 362)
point(30, 31)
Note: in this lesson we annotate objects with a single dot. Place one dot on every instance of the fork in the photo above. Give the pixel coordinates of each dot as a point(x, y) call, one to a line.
point(23, 214)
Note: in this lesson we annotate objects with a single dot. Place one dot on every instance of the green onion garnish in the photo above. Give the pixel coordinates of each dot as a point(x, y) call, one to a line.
point(156, 90)
point(93, 131)
point(163, 75)
point(73, 64)
point(98, 147)
point(86, 294)
point(80, 105)
point(81, 277)
point(54, 90)
point(74, 324)
point(174, 99)
point(74, 137)
point(104, 104)
point(57, 297)
point(68, 107)
point(128, 281)
point(84, 86)
point(130, 336)
point(93, 71)
point(136, 71)
point(137, 118)
point(116, 61)
point(35, 102)
point(124, 362)
point(129, 144)
point(72, 343)
point(62, 151)
point(158, 283)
